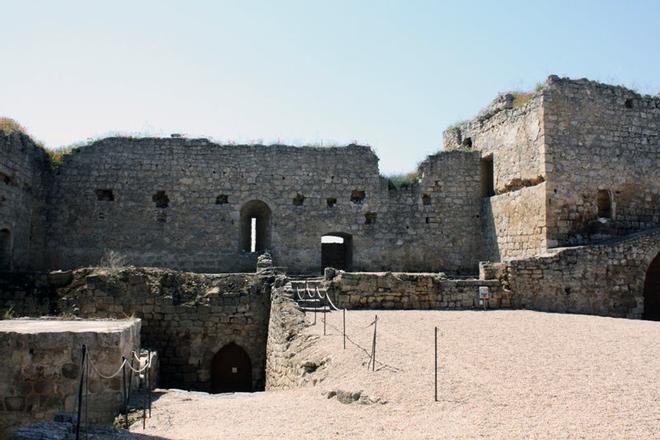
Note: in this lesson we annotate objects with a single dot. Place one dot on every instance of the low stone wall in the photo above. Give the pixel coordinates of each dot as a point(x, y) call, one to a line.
point(40, 367)
point(398, 290)
point(186, 317)
point(286, 365)
point(605, 279)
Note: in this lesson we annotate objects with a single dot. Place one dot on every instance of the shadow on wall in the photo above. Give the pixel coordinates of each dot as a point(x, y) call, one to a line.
point(652, 291)
point(5, 250)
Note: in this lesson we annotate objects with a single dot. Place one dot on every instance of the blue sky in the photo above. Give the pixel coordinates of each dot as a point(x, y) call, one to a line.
point(391, 74)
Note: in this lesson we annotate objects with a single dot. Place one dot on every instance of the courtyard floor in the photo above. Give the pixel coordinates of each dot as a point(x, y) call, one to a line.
point(502, 374)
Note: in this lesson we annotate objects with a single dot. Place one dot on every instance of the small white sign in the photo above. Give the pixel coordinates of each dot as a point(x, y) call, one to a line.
point(234, 370)
point(484, 292)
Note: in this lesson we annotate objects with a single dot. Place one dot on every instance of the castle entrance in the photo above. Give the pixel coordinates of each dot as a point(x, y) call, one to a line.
point(652, 291)
point(231, 370)
point(337, 251)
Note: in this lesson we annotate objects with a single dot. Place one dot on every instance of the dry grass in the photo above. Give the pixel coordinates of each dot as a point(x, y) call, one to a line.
point(503, 374)
point(9, 126)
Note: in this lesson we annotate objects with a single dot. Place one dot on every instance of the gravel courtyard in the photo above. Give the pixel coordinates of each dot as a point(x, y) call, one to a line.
point(503, 374)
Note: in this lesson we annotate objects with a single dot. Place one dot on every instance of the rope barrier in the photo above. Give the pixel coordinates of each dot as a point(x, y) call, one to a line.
point(103, 376)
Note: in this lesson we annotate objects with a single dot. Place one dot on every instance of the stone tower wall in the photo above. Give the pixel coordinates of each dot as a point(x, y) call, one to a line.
point(24, 177)
point(600, 137)
point(513, 217)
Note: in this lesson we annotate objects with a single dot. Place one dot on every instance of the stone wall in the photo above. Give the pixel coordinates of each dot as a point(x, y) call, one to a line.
point(289, 363)
point(177, 203)
point(603, 279)
point(600, 137)
point(40, 367)
point(24, 180)
point(186, 317)
point(514, 223)
point(392, 290)
point(511, 139)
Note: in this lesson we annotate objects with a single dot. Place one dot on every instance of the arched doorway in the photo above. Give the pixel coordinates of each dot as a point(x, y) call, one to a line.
point(231, 370)
point(5, 250)
point(652, 291)
point(337, 251)
point(255, 226)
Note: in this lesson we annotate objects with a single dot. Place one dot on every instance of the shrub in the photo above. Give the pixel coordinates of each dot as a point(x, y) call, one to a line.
point(57, 154)
point(9, 126)
point(403, 180)
point(113, 260)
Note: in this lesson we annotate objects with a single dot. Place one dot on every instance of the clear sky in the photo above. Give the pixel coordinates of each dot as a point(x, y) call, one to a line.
point(391, 74)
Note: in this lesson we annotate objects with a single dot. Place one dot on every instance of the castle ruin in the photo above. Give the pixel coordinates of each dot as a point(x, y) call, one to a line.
point(552, 203)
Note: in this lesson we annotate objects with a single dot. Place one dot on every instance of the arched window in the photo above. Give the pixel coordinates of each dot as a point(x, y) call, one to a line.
point(5, 249)
point(604, 201)
point(255, 226)
point(337, 251)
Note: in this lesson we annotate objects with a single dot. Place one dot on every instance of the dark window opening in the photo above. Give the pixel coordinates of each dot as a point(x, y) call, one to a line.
point(467, 142)
point(5, 250)
point(105, 195)
point(337, 251)
point(628, 103)
point(161, 199)
point(255, 226)
point(487, 176)
point(652, 291)
point(331, 201)
point(604, 201)
point(370, 218)
point(428, 220)
point(222, 199)
point(357, 196)
point(231, 370)
point(426, 199)
point(298, 200)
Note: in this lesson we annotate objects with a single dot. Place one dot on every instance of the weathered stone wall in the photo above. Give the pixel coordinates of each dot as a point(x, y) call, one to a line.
point(512, 138)
point(289, 363)
point(602, 279)
point(186, 317)
point(600, 137)
point(40, 367)
point(24, 179)
point(514, 223)
point(112, 195)
point(392, 290)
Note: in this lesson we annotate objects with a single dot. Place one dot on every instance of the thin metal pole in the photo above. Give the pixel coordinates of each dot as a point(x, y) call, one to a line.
point(436, 364)
point(80, 389)
point(343, 312)
point(124, 390)
point(149, 380)
point(373, 364)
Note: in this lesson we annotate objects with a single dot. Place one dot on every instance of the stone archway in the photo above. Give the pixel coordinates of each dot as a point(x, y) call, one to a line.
point(652, 291)
point(231, 370)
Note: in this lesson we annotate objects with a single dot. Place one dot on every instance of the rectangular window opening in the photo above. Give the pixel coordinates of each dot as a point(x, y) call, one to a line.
point(253, 234)
point(487, 176)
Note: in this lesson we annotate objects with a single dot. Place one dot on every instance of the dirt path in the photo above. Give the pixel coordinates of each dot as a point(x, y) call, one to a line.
point(504, 374)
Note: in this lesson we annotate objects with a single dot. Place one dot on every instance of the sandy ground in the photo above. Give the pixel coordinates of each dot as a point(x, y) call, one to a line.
point(503, 374)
